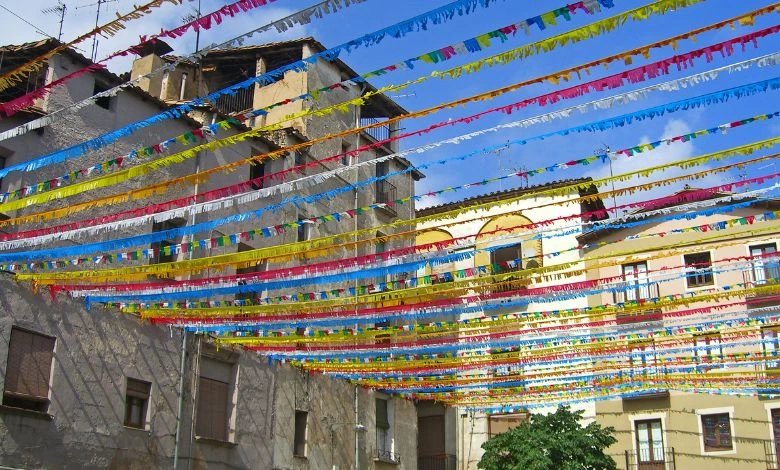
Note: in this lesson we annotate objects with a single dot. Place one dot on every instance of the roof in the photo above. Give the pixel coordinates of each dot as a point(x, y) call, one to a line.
point(679, 198)
point(33, 49)
point(510, 193)
point(282, 53)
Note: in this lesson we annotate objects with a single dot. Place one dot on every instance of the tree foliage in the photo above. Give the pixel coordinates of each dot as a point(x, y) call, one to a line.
point(555, 441)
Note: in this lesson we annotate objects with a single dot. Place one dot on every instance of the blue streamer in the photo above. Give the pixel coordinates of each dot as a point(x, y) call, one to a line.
point(418, 23)
point(602, 125)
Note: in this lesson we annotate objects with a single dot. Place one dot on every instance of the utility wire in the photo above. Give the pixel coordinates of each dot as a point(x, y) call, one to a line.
point(37, 29)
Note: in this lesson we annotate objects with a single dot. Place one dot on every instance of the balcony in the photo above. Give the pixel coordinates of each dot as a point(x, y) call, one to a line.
point(387, 193)
point(659, 458)
point(387, 456)
point(635, 292)
point(378, 133)
point(770, 452)
point(437, 462)
point(762, 274)
point(241, 100)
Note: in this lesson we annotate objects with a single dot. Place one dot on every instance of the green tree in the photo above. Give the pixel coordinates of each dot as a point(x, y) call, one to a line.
point(555, 441)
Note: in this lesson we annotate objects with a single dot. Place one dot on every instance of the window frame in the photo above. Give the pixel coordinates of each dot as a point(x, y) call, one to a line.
point(763, 266)
point(19, 399)
point(495, 418)
point(637, 282)
point(231, 391)
point(701, 414)
point(700, 272)
point(136, 395)
point(296, 436)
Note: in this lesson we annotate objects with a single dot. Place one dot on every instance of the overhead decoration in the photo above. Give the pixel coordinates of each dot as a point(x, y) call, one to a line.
point(204, 21)
point(12, 77)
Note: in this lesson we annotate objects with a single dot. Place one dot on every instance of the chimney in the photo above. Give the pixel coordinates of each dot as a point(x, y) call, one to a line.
point(149, 59)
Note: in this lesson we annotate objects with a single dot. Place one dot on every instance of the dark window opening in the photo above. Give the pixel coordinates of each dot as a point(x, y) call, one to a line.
point(716, 432)
point(103, 101)
point(136, 403)
point(299, 443)
point(161, 256)
point(257, 170)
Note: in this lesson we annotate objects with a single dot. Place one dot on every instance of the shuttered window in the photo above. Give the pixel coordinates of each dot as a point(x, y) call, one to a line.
point(501, 423)
point(382, 420)
point(716, 430)
point(214, 384)
point(136, 403)
point(28, 370)
point(299, 444)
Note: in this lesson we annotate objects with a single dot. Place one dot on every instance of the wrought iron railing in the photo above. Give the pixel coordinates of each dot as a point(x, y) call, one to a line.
point(437, 462)
point(635, 291)
point(761, 274)
point(386, 192)
point(658, 458)
point(377, 133)
point(770, 451)
point(239, 101)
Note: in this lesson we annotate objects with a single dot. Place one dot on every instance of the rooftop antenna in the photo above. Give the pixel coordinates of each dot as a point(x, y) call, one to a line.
point(605, 150)
point(60, 10)
point(99, 3)
point(506, 169)
point(195, 15)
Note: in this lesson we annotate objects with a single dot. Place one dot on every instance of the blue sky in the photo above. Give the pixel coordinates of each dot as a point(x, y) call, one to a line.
point(374, 14)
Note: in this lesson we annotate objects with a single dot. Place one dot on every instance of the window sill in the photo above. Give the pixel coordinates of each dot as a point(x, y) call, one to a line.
point(216, 442)
point(26, 412)
point(133, 428)
point(302, 457)
point(386, 461)
point(715, 453)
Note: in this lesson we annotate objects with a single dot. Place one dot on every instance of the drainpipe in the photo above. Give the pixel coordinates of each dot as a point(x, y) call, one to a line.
point(180, 407)
point(357, 432)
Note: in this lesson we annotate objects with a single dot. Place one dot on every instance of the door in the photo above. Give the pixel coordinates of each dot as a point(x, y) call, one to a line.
point(650, 445)
point(764, 270)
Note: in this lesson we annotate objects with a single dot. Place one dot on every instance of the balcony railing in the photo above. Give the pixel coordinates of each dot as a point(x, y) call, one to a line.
point(437, 462)
point(650, 459)
point(770, 451)
point(761, 274)
point(378, 133)
point(635, 292)
point(241, 100)
point(386, 192)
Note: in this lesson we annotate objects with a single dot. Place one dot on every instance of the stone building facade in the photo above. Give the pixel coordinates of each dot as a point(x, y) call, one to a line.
point(125, 394)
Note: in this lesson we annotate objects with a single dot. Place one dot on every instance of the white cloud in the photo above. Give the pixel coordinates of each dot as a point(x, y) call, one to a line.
point(662, 155)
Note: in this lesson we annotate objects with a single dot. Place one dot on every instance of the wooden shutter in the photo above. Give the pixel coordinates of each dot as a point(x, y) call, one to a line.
point(29, 364)
point(430, 436)
point(382, 420)
point(212, 419)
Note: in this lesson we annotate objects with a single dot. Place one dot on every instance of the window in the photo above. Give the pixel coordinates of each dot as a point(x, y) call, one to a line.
point(104, 101)
point(642, 358)
point(501, 423)
point(649, 443)
point(2, 165)
point(299, 159)
point(136, 403)
point(299, 443)
point(508, 258)
point(28, 370)
point(215, 406)
point(257, 267)
point(708, 349)
point(699, 269)
point(346, 160)
point(164, 85)
point(716, 432)
point(384, 438)
point(635, 278)
point(256, 170)
point(771, 345)
point(183, 86)
point(764, 269)
point(161, 256)
point(303, 229)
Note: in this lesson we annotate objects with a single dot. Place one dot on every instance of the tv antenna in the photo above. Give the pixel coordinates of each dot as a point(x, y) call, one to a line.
point(60, 10)
point(195, 15)
point(605, 150)
point(95, 42)
point(504, 169)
